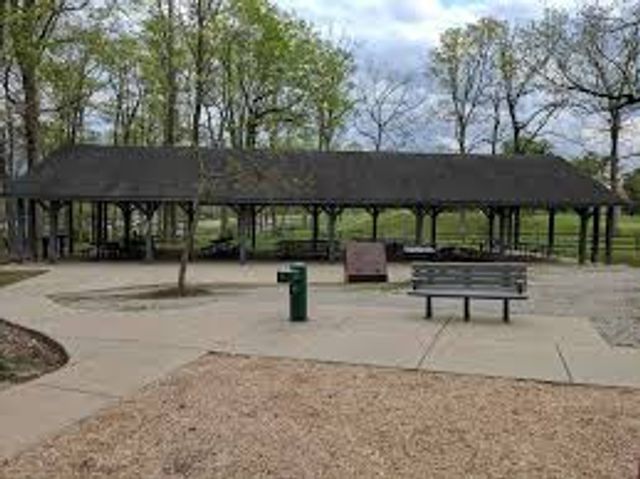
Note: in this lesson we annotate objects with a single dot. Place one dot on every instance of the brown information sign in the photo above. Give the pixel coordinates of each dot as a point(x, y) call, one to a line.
point(365, 262)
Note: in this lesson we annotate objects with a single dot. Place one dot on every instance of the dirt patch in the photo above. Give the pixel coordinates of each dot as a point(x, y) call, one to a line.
point(230, 416)
point(8, 277)
point(145, 297)
point(26, 354)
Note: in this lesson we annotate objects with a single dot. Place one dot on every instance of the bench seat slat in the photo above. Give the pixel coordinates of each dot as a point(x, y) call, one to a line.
point(497, 281)
point(463, 274)
point(448, 279)
point(466, 293)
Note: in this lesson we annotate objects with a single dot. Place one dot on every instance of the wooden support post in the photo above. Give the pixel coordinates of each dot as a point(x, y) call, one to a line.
point(21, 229)
point(252, 214)
point(70, 228)
point(595, 239)
point(148, 254)
point(434, 227)
point(491, 218)
point(94, 223)
point(502, 230)
point(551, 232)
point(99, 224)
point(315, 226)
point(241, 212)
point(148, 210)
point(509, 228)
point(126, 220)
point(374, 211)
point(105, 222)
point(99, 234)
point(54, 210)
point(582, 240)
point(332, 213)
point(516, 228)
point(419, 213)
point(32, 229)
point(608, 235)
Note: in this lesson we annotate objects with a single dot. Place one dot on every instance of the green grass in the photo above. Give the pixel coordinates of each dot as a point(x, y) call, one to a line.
point(400, 225)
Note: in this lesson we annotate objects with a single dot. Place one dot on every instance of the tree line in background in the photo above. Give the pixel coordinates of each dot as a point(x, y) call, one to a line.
point(246, 74)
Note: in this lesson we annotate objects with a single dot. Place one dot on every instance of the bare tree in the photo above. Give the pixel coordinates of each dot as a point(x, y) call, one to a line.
point(384, 106)
point(597, 60)
point(523, 58)
point(31, 25)
point(462, 65)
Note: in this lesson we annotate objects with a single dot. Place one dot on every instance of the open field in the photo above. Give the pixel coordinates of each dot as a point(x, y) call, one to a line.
point(294, 224)
point(399, 225)
point(234, 416)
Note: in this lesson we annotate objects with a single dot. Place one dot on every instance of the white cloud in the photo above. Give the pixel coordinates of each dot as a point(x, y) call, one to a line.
point(398, 34)
point(411, 20)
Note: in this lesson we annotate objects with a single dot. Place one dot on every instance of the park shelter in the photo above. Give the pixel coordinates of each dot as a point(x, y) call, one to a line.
point(144, 178)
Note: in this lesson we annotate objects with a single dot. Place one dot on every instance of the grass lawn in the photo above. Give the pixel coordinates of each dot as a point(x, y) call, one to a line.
point(399, 224)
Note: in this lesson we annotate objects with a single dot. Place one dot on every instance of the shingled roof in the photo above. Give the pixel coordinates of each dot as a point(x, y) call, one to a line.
point(130, 173)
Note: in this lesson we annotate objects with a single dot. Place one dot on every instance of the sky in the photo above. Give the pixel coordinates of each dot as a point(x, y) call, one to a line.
point(397, 34)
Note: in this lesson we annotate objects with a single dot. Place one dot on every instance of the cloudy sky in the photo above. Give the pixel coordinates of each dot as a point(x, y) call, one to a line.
point(397, 34)
point(400, 31)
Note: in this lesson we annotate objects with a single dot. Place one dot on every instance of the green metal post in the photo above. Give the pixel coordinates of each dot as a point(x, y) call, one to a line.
point(296, 276)
point(298, 292)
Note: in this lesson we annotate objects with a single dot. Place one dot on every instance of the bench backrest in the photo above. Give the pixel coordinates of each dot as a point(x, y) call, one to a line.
point(475, 276)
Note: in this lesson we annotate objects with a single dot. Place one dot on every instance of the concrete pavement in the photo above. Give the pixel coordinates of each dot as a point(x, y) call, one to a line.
point(114, 351)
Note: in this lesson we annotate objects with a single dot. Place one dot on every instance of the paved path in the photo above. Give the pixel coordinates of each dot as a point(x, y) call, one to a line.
point(115, 351)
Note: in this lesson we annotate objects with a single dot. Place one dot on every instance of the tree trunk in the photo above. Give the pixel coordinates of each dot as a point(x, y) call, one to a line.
point(495, 132)
point(615, 124)
point(461, 135)
point(31, 114)
point(515, 128)
point(191, 225)
point(614, 134)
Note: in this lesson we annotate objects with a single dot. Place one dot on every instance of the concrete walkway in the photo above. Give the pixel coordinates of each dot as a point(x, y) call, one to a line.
point(115, 351)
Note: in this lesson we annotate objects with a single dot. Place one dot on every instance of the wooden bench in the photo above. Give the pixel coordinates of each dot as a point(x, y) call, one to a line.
point(500, 281)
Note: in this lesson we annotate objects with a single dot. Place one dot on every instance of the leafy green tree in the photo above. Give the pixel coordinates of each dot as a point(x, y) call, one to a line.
point(593, 165)
point(330, 87)
point(464, 65)
point(631, 185)
point(524, 55)
point(527, 146)
point(70, 76)
point(596, 58)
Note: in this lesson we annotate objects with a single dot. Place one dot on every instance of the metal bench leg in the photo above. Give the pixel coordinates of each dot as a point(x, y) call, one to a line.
point(505, 311)
point(429, 309)
point(467, 314)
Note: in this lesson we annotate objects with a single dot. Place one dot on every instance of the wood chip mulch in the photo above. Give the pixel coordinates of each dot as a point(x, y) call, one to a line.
point(26, 354)
point(234, 416)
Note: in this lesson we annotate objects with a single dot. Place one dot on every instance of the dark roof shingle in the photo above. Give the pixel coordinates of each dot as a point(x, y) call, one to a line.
point(347, 178)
